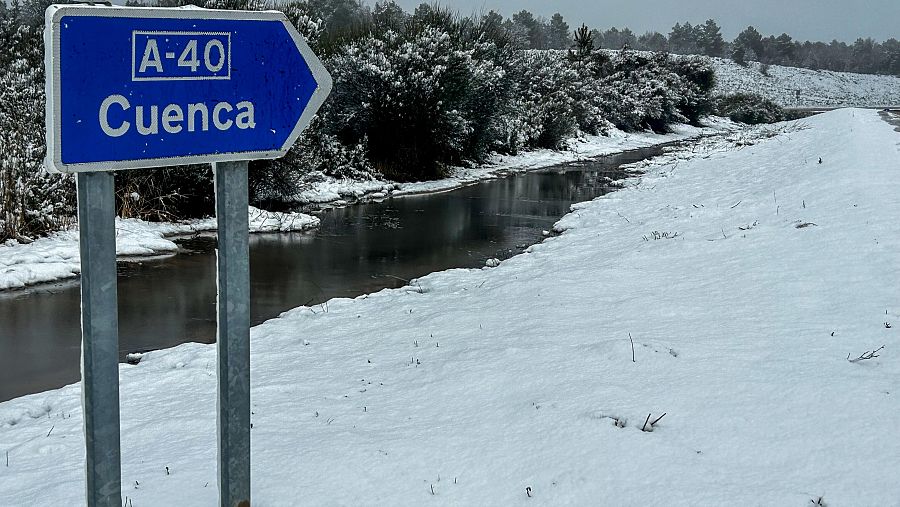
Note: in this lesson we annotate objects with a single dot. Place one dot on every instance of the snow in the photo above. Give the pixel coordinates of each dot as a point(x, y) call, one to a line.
point(340, 191)
point(817, 87)
point(479, 383)
point(56, 257)
point(275, 221)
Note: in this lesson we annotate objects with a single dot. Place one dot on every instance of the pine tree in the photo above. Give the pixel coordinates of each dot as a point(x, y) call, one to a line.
point(535, 28)
point(710, 41)
point(584, 45)
point(751, 40)
point(559, 33)
point(739, 55)
point(653, 41)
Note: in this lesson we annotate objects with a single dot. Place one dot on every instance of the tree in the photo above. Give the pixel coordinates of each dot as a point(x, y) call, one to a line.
point(518, 34)
point(340, 16)
point(891, 56)
point(627, 38)
point(739, 55)
point(583, 47)
point(710, 39)
point(615, 39)
point(558, 36)
point(751, 40)
point(534, 28)
point(491, 22)
point(388, 16)
point(783, 49)
point(32, 202)
point(652, 41)
point(864, 59)
point(683, 39)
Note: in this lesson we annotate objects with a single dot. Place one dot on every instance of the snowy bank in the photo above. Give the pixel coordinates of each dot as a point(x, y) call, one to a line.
point(341, 191)
point(56, 257)
point(745, 272)
point(797, 87)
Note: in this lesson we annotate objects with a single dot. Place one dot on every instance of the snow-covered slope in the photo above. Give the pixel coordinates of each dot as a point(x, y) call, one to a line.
point(816, 88)
point(746, 272)
point(56, 257)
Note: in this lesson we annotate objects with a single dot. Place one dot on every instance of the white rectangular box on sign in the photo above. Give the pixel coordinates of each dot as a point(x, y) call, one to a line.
point(200, 55)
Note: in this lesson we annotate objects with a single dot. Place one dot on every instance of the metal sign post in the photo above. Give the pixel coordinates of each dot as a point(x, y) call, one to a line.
point(134, 87)
point(100, 337)
point(233, 340)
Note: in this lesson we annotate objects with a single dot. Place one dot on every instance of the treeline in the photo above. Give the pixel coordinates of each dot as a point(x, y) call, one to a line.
point(414, 94)
point(864, 56)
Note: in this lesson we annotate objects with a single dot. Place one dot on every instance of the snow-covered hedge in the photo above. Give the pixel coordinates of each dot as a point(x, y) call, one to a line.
point(561, 95)
point(419, 92)
point(749, 108)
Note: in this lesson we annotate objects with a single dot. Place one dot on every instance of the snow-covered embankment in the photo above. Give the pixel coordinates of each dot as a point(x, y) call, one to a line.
point(797, 87)
point(56, 257)
point(745, 275)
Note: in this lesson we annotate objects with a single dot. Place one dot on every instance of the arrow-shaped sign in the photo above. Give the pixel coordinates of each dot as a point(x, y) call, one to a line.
point(131, 87)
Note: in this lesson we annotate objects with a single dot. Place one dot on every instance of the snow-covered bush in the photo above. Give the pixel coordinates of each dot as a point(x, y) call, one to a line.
point(563, 94)
point(698, 80)
point(315, 156)
point(420, 94)
point(32, 202)
point(298, 12)
point(652, 90)
point(545, 99)
point(749, 108)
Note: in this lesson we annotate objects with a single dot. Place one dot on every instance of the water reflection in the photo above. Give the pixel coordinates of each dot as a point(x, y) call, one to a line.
point(358, 249)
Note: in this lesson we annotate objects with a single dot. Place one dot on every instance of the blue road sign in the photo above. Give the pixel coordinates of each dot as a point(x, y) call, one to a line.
point(131, 87)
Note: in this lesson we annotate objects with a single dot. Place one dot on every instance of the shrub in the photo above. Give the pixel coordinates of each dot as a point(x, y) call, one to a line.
point(698, 81)
point(749, 108)
point(32, 202)
point(652, 91)
point(165, 194)
point(418, 99)
point(545, 98)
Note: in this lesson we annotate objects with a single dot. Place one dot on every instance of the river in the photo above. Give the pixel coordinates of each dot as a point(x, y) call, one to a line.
point(357, 249)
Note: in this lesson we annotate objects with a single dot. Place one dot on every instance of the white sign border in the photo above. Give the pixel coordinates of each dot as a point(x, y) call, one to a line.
point(53, 161)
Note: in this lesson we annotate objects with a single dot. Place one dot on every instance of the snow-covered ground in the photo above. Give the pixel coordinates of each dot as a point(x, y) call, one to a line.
point(746, 273)
point(816, 88)
point(56, 257)
point(340, 191)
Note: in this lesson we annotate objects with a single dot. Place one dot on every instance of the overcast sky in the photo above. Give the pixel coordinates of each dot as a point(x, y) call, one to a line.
point(803, 19)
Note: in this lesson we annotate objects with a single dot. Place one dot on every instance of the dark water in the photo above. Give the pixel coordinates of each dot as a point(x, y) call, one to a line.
point(892, 116)
point(358, 249)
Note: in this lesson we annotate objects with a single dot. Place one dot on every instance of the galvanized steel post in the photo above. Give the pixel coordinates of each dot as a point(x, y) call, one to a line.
point(233, 340)
point(99, 338)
